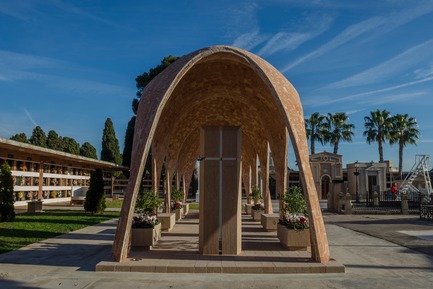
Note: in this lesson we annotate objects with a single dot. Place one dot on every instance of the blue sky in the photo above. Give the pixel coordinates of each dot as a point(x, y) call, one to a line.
point(68, 65)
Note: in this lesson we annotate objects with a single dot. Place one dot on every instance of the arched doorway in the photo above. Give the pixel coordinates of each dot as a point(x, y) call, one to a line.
point(325, 184)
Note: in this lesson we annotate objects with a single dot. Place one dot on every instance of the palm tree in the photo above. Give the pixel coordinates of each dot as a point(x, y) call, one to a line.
point(404, 132)
point(338, 129)
point(377, 128)
point(314, 127)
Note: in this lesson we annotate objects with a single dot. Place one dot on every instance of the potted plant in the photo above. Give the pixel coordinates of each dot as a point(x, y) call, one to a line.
point(146, 227)
point(293, 227)
point(176, 202)
point(258, 208)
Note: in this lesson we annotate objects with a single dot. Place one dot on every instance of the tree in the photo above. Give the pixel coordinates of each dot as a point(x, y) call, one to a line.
point(377, 129)
point(95, 196)
point(314, 125)
point(110, 145)
point(141, 82)
point(338, 129)
point(89, 151)
point(7, 210)
point(54, 141)
point(71, 146)
point(404, 131)
point(21, 137)
point(127, 147)
point(38, 137)
point(145, 78)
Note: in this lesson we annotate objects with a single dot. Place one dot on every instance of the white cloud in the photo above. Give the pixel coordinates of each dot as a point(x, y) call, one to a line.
point(288, 41)
point(375, 27)
point(391, 67)
point(249, 40)
point(347, 35)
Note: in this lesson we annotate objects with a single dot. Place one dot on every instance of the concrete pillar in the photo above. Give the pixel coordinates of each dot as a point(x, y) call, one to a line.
point(168, 182)
point(348, 204)
point(375, 199)
point(340, 202)
point(404, 205)
point(220, 190)
point(41, 180)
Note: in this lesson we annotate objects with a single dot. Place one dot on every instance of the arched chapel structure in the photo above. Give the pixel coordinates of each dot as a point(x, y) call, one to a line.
point(221, 86)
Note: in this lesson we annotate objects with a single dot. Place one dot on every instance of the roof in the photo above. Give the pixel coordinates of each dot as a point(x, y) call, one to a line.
point(53, 155)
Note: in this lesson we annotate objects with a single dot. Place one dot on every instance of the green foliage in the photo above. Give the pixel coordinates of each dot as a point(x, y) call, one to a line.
point(314, 126)
point(38, 137)
point(148, 202)
point(129, 139)
point(378, 128)
point(294, 201)
point(95, 196)
point(177, 194)
point(256, 194)
point(54, 141)
point(21, 137)
point(71, 146)
point(404, 131)
point(145, 78)
point(337, 129)
point(110, 145)
point(7, 210)
point(89, 151)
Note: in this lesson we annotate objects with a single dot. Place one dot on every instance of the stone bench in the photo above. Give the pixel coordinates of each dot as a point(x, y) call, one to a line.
point(34, 206)
point(167, 221)
point(269, 222)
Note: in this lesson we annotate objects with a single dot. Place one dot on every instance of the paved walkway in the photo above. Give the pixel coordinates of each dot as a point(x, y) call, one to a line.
point(370, 247)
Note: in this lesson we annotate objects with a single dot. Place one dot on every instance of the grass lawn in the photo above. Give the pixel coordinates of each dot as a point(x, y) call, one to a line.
point(114, 203)
point(29, 228)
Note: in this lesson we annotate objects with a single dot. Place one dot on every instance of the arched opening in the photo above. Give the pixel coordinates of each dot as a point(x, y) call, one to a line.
point(324, 186)
point(221, 86)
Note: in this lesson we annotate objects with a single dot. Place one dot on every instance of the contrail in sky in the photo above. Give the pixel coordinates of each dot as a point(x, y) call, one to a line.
point(30, 117)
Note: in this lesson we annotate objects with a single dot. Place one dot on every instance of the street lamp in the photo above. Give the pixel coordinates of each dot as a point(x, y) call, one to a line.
point(356, 173)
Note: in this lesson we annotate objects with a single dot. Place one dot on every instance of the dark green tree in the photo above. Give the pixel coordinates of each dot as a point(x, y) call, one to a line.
point(7, 210)
point(21, 137)
point(404, 131)
point(89, 151)
point(378, 128)
point(38, 138)
point(145, 78)
point(314, 126)
point(141, 82)
point(54, 141)
point(95, 196)
point(337, 129)
point(127, 147)
point(71, 146)
point(110, 145)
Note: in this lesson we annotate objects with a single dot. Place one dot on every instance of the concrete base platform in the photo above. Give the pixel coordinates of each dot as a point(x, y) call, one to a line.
point(177, 252)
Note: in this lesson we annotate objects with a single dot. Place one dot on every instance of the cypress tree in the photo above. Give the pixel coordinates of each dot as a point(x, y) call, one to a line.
point(95, 196)
point(110, 145)
point(7, 210)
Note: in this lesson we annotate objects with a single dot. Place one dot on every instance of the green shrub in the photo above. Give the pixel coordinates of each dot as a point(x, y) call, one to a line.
point(176, 195)
point(95, 196)
point(256, 194)
point(148, 202)
point(294, 201)
point(7, 210)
